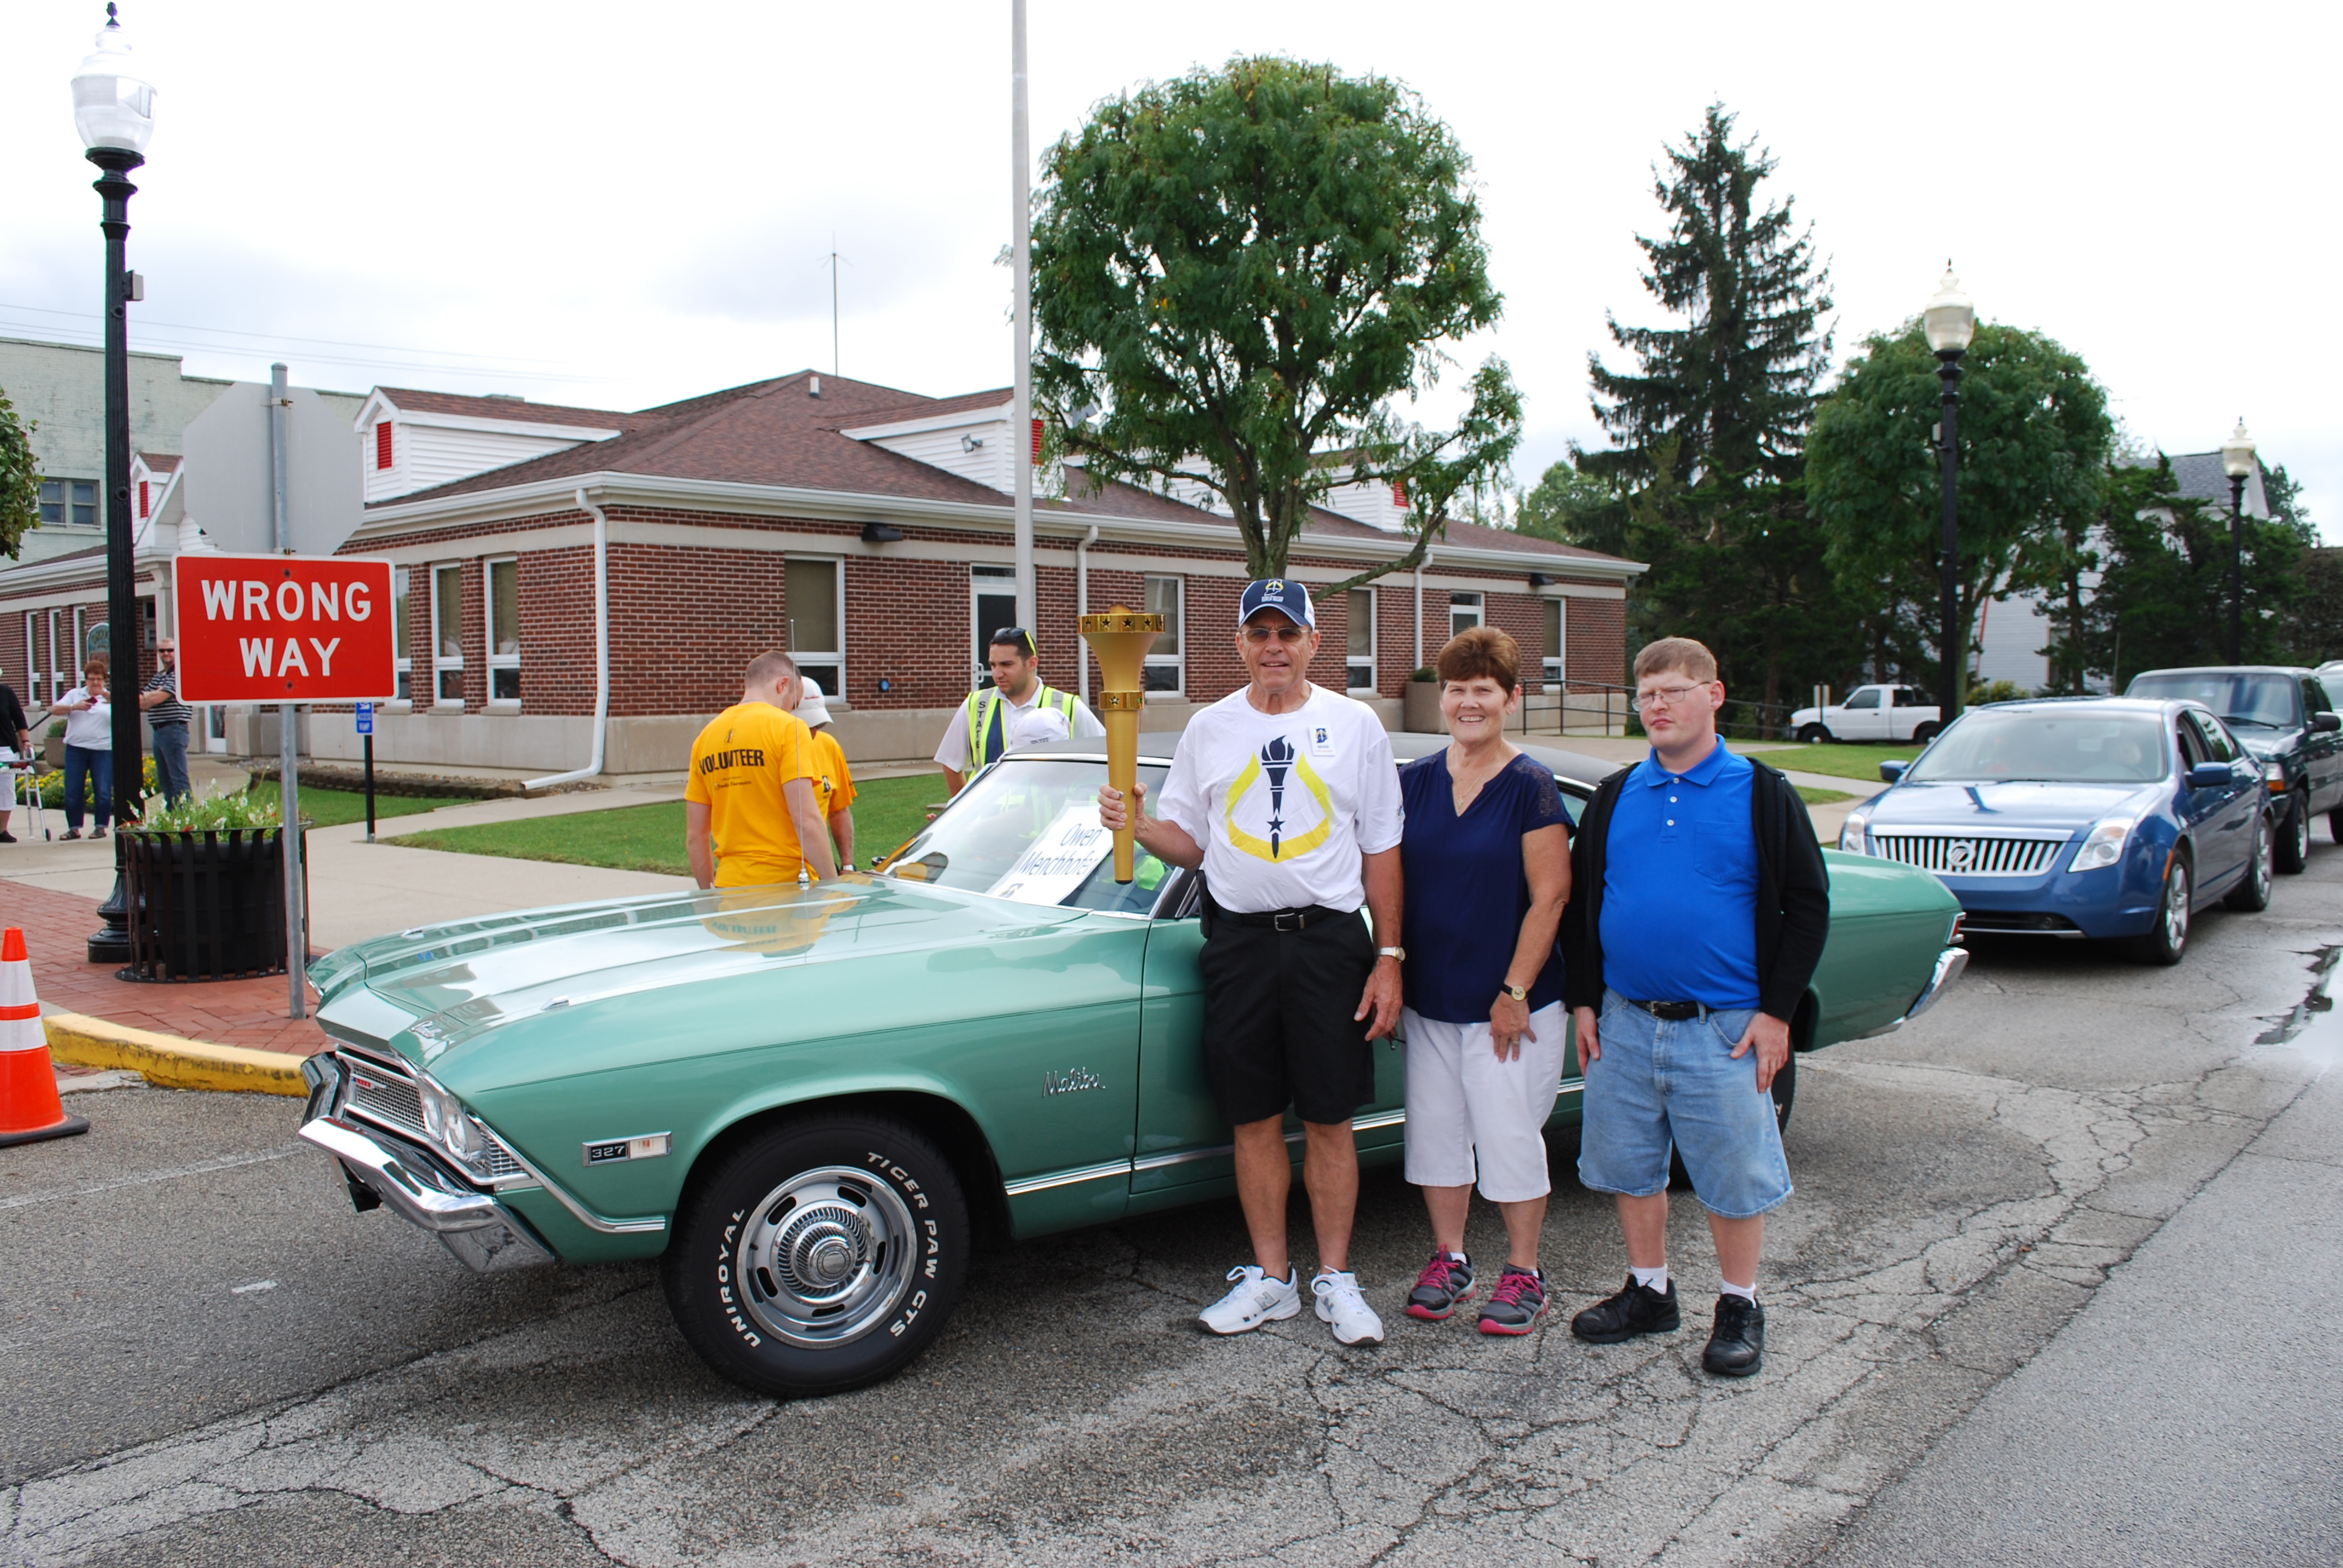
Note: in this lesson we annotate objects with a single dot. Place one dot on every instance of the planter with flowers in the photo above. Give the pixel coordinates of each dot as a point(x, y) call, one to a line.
point(204, 886)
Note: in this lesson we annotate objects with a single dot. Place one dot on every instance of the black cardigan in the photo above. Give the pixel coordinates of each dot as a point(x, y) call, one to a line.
point(1792, 895)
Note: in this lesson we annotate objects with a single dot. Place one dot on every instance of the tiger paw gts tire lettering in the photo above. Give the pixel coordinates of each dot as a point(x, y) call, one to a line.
point(820, 1255)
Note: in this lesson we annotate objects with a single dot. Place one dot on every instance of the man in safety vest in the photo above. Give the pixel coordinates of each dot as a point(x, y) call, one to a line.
point(979, 732)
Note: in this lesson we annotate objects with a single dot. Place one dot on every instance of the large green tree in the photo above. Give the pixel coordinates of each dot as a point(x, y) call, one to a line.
point(2034, 439)
point(1245, 271)
point(20, 481)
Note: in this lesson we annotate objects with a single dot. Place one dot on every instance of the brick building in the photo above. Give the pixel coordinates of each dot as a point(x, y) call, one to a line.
point(867, 530)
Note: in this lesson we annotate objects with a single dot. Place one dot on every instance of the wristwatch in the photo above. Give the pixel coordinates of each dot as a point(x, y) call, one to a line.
point(1518, 992)
point(1398, 953)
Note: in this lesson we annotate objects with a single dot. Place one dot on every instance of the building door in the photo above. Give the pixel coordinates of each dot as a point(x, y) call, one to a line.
point(993, 605)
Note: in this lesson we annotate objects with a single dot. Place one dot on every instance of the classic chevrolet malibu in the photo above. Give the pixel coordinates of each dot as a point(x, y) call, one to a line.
point(809, 1101)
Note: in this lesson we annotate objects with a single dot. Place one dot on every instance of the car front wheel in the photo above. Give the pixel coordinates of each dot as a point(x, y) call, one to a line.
point(1925, 733)
point(821, 1255)
point(1813, 735)
point(2294, 838)
point(2253, 894)
point(2169, 937)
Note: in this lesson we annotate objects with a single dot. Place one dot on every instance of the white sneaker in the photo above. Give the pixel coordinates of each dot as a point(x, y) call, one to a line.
point(1340, 1303)
point(1257, 1300)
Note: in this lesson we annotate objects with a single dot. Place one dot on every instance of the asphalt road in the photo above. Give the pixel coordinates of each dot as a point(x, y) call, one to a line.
point(205, 1357)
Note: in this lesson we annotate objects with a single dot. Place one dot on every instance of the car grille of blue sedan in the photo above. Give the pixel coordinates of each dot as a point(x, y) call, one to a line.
point(1969, 857)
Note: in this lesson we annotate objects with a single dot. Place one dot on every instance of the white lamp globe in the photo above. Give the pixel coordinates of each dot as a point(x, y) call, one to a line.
point(2237, 452)
point(1950, 319)
point(114, 105)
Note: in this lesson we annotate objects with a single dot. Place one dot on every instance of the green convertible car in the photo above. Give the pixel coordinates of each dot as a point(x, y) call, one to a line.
point(809, 1101)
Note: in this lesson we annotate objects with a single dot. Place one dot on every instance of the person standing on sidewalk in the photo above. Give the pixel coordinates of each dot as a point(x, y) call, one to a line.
point(17, 736)
point(167, 718)
point(833, 781)
point(1487, 854)
point(1287, 797)
point(1702, 904)
point(89, 745)
point(978, 731)
point(750, 813)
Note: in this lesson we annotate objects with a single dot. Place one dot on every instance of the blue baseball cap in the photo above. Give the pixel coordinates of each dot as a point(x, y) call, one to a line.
point(1281, 594)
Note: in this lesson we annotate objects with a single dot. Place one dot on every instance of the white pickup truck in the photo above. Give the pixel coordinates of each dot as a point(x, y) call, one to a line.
point(1869, 713)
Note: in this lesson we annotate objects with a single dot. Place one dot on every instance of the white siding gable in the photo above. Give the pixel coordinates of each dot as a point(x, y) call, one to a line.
point(428, 449)
point(1371, 504)
point(973, 443)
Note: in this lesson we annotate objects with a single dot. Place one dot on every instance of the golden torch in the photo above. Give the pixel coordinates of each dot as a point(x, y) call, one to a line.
point(1120, 637)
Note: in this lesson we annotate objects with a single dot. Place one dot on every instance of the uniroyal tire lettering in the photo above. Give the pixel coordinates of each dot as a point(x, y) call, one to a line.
point(723, 1274)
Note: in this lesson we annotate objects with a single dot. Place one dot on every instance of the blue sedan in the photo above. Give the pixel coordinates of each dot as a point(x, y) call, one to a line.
point(2109, 818)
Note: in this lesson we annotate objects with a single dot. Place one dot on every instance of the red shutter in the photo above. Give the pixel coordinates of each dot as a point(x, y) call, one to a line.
point(1399, 494)
point(382, 444)
point(1037, 440)
point(142, 497)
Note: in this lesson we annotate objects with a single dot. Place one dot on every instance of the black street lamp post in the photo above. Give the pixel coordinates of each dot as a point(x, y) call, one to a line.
point(2238, 462)
point(1950, 321)
point(113, 111)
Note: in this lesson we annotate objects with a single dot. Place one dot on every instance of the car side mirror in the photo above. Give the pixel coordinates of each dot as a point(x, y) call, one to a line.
point(2211, 775)
point(2326, 723)
point(1893, 773)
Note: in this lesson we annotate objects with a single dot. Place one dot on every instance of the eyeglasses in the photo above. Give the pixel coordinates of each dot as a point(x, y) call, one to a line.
point(1647, 700)
point(1015, 636)
point(1259, 635)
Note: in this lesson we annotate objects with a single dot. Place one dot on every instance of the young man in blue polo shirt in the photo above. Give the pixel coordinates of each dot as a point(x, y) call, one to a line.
point(1703, 906)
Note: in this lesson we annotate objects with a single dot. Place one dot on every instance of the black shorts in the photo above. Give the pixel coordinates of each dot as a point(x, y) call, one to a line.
point(1278, 1029)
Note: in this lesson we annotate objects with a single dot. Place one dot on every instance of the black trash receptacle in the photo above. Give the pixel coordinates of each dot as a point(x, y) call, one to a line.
point(206, 905)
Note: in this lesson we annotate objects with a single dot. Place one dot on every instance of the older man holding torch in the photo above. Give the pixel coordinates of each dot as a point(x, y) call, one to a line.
point(1287, 796)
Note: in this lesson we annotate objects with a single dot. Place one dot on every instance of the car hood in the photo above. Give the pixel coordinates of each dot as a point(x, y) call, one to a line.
point(2268, 743)
point(429, 992)
point(2012, 805)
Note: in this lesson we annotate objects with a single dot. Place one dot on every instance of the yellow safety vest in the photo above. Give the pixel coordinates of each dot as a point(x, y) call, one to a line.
point(984, 705)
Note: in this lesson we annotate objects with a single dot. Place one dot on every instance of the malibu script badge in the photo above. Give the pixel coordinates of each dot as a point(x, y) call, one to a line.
point(1072, 1081)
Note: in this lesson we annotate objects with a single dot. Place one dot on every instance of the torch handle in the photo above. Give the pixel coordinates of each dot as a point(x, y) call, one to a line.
point(1123, 773)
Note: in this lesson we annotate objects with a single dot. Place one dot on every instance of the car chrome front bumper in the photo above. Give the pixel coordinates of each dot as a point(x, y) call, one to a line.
point(383, 1168)
point(1950, 963)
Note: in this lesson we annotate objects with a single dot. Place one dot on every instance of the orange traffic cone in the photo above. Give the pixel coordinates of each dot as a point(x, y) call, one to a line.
point(29, 1107)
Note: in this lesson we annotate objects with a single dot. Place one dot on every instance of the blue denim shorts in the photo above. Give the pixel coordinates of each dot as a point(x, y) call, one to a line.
point(1659, 1083)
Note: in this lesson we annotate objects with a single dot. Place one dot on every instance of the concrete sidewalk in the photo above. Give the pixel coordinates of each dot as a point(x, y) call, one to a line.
point(2190, 1415)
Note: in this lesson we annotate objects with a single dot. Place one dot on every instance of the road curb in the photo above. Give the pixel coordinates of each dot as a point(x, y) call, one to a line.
point(169, 1062)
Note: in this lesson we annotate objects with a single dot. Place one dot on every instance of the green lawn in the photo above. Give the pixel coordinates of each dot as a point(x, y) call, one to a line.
point(1840, 760)
point(1814, 797)
point(332, 808)
point(886, 812)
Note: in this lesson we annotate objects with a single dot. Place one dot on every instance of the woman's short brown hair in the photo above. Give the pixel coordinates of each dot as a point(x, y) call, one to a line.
point(1482, 651)
point(98, 664)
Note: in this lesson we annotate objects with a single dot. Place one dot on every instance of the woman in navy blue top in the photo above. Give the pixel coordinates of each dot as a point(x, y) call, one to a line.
point(1486, 853)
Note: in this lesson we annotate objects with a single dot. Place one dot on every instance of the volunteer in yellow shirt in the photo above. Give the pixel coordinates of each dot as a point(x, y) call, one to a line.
point(751, 812)
point(832, 782)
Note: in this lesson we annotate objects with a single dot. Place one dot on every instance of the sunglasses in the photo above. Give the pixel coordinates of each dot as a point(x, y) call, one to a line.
point(1260, 635)
point(1013, 636)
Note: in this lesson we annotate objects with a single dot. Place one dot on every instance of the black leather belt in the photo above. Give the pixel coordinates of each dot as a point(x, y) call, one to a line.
point(1670, 1011)
point(1283, 919)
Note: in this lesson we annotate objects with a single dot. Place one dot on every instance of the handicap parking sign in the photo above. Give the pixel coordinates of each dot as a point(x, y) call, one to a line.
point(366, 718)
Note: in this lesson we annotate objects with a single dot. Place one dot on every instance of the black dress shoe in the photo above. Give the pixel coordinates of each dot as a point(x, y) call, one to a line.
point(1736, 1346)
point(1636, 1310)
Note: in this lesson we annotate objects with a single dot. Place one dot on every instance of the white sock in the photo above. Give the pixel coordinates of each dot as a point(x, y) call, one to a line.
point(1746, 1292)
point(1653, 1279)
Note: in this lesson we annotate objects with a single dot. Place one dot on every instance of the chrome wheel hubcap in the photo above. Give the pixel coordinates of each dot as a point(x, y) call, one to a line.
point(827, 1256)
point(2176, 909)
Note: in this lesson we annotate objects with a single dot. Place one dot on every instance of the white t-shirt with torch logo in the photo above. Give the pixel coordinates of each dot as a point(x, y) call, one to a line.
point(1284, 804)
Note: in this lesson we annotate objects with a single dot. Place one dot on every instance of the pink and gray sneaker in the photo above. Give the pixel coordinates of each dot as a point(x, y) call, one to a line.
point(1442, 1287)
point(1515, 1305)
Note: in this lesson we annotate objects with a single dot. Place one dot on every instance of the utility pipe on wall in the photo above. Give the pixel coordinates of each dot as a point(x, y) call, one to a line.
point(1419, 610)
point(601, 651)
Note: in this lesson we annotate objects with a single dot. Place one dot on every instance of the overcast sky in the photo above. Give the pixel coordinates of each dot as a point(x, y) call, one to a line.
point(623, 204)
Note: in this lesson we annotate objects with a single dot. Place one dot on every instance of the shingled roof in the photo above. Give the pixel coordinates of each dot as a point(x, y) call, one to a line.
point(415, 400)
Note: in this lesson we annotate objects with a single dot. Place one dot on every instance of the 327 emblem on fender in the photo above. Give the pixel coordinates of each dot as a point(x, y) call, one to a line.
point(1072, 1081)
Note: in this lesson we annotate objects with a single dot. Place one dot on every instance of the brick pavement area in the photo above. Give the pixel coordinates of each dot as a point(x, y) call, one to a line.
point(246, 1012)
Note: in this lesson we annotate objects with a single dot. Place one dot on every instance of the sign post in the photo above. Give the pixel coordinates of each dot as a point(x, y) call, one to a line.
point(366, 731)
point(287, 629)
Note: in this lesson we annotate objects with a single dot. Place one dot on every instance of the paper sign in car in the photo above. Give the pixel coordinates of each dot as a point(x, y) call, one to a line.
point(284, 629)
point(1055, 863)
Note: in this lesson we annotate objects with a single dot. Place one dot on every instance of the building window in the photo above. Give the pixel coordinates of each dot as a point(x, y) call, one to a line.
point(991, 606)
point(61, 680)
point(1359, 648)
point(817, 618)
point(1162, 596)
point(503, 631)
point(382, 449)
point(1556, 623)
point(402, 605)
point(447, 636)
point(1464, 612)
point(69, 503)
point(32, 674)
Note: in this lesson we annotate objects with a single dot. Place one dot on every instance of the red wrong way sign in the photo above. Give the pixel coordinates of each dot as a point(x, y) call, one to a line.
point(284, 629)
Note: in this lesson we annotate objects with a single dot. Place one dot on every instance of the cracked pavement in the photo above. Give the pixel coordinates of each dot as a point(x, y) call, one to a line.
point(208, 1358)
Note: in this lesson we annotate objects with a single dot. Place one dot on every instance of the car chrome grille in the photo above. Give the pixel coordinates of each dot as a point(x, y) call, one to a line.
point(1969, 857)
point(391, 1099)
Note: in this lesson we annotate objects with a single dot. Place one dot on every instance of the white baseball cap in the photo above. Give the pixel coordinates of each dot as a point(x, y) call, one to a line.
point(1037, 726)
point(813, 712)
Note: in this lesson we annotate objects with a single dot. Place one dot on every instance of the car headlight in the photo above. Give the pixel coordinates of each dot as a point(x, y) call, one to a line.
point(1850, 833)
point(2105, 846)
point(2276, 773)
point(451, 1126)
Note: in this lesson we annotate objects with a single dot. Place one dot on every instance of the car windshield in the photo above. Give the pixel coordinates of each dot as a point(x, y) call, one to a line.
point(2266, 701)
point(2078, 748)
point(1027, 829)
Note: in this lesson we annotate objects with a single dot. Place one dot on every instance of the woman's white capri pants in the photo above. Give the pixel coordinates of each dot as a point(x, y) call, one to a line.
point(1465, 1107)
